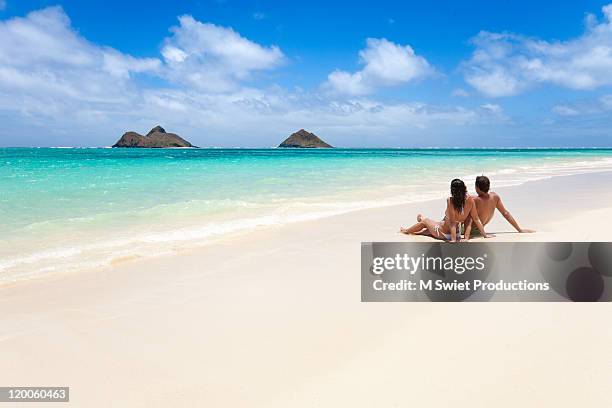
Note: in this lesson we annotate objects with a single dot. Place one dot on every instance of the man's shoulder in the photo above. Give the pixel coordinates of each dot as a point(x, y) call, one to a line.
point(494, 196)
point(491, 196)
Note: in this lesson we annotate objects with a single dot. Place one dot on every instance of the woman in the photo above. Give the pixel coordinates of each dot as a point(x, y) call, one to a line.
point(459, 207)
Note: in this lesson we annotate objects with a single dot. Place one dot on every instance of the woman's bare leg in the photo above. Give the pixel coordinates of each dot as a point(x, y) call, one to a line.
point(416, 228)
point(431, 227)
point(423, 224)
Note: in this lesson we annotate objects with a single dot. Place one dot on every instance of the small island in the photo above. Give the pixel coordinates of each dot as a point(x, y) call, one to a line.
point(156, 138)
point(304, 139)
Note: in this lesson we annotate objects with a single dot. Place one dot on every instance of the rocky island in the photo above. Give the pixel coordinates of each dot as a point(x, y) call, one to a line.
point(156, 138)
point(304, 139)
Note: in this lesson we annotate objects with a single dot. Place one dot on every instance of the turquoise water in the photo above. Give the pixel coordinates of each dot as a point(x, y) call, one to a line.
point(70, 208)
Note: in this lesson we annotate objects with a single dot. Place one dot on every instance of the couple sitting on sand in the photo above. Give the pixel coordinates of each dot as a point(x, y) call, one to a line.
point(464, 210)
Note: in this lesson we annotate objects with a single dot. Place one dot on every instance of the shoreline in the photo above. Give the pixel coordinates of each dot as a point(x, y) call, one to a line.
point(190, 245)
point(106, 247)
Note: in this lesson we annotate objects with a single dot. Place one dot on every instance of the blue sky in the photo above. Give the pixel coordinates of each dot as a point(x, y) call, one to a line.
point(239, 73)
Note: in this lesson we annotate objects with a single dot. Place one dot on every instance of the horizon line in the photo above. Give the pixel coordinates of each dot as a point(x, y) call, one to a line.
point(319, 149)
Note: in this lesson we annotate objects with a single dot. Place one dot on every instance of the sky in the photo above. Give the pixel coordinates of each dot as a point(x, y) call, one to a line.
point(228, 73)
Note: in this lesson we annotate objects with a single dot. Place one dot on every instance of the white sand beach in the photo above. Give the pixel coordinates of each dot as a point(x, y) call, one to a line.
point(273, 318)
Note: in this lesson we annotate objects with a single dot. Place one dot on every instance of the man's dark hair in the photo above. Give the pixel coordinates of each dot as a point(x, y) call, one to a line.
point(483, 183)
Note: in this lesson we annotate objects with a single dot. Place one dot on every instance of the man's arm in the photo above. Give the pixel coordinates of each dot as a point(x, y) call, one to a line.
point(509, 217)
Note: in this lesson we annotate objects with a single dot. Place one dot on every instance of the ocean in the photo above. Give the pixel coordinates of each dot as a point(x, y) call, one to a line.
point(67, 209)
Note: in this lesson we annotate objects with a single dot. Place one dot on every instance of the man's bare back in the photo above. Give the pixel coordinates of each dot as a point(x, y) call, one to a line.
point(486, 203)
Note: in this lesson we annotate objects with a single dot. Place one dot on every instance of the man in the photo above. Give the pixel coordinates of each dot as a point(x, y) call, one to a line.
point(486, 203)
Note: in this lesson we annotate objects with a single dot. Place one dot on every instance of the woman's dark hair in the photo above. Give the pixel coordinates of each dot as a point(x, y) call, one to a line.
point(458, 193)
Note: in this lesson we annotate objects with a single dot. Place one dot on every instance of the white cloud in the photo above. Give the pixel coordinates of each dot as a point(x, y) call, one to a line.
point(491, 107)
point(173, 54)
point(606, 102)
point(268, 115)
point(122, 65)
point(347, 83)
point(214, 58)
point(585, 107)
point(565, 110)
point(460, 93)
point(52, 80)
point(51, 74)
point(43, 59)
point(57, 88)
point(506, 64)
point(259, 15)
point(385, 64)
point(44, 37)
